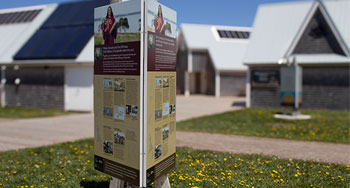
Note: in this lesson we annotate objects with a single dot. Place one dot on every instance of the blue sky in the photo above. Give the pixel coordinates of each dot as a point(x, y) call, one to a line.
point(212, 12)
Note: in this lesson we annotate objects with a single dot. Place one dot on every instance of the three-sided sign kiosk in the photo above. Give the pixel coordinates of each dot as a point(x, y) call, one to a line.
point(134, 90)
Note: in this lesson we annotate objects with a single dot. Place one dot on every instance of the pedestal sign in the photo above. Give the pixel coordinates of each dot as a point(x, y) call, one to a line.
point(134, 90)
point(291, 86)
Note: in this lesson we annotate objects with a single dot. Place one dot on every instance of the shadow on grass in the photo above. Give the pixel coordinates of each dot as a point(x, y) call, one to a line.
point(94, 184)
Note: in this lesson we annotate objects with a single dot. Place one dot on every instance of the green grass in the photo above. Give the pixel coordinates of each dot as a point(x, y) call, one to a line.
point(71, 165)
point(122, 37)
point(29, 113)
point(327, 126)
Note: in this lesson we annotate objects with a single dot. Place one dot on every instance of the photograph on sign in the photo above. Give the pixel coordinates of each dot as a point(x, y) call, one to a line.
point(116, 24)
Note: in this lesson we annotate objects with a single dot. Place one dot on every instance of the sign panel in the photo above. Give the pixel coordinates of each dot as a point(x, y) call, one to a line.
point(291, 78)
point(117, 90)
point(161, 89)
point(135, 90)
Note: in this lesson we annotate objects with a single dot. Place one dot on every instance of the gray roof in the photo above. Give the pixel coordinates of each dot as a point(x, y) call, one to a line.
point(226, 54)
point(277, 28)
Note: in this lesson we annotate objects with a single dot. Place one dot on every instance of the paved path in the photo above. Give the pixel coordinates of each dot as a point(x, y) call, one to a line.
point(24, 133)
point(317, 151)
point(200, 105)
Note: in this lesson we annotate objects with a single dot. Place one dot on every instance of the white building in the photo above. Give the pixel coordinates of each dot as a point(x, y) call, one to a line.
point(210, 60)
point(313, 34)
point(46, 55)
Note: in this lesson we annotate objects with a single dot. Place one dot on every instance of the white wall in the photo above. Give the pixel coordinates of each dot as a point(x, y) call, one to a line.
point(78, 94)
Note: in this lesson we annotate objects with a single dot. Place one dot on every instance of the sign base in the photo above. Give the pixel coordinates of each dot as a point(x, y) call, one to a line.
point(292, 117)
point(162, 182)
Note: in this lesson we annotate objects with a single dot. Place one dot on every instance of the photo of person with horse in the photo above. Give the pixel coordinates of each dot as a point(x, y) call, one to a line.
point(109, 28)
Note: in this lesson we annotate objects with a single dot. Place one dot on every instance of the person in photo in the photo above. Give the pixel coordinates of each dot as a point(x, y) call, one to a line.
point(159, 21)
point(109, 27)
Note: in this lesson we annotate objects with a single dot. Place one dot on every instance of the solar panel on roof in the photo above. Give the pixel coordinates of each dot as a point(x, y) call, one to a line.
point(64, 34)
point(18, 17)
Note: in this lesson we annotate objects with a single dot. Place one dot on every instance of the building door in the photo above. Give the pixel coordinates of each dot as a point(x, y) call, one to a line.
point(79, 88)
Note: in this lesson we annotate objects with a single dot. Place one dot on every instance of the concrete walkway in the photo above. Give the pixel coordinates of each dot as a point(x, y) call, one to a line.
point(200, 105)
point(25, 133)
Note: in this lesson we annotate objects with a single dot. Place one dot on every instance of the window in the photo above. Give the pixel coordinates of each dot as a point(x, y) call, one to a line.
point(18, 17)
point(265, 78)
point(229, 34)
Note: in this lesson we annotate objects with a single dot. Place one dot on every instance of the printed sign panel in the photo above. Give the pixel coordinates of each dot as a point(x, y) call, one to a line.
point(161, 89)
point(288, 85)
point(117, 90)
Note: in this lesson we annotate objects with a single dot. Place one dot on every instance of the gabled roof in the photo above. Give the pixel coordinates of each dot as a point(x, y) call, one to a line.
point(278, 27)
point(16, 31)
point(339, 13)
point(226, 54)
point(64, 34)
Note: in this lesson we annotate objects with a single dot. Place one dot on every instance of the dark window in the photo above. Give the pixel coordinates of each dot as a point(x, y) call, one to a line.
point(233, 34)
point(265, 78)
point(18, 17)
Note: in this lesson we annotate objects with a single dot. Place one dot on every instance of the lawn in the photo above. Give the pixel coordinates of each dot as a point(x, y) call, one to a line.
point(29, 113)
point(71, 165)
point(326, 126)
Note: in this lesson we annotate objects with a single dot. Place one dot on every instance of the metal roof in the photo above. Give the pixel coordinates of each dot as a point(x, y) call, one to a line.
point(226, 54)
point(87, 54)
point(16, 32)
point(64, 34)
point(339, 12)
point(277, 27)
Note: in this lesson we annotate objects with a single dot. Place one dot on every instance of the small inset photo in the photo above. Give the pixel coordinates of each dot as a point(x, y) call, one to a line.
point(128, 109)
point(172, 109)
point(107, 112)
point(158, 83)
point(166, 109)
point(98, 53)
point(158, 114)
point(151, 41)
point(165, 82)
point(134, 110)
point(158, 151)
point(165, 133)
point(107, 84)
point(119, 85)
point(119, 113)
point(108, 147)
point(119, 138)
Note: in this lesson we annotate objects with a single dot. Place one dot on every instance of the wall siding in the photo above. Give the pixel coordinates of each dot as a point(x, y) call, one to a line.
point(35, 96)
point(326, 87)
point(323, 88)
point(232, 84)
point(40, 87)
